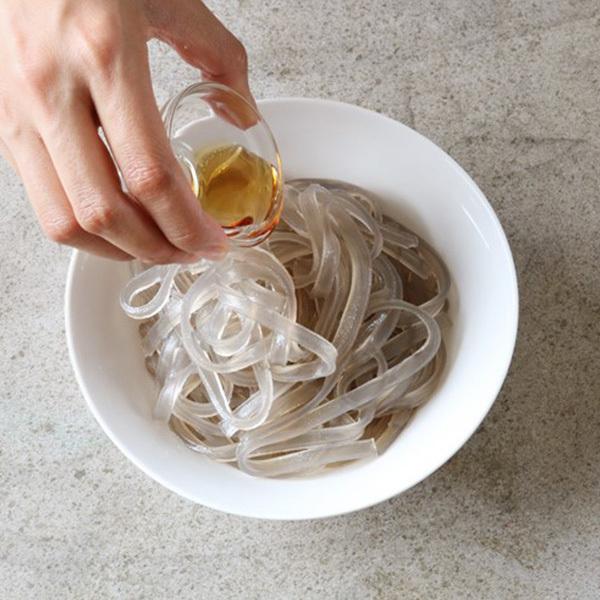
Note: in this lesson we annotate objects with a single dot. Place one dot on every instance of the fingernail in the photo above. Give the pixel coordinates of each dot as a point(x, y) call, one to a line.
point(215, 244)
point(214, 251)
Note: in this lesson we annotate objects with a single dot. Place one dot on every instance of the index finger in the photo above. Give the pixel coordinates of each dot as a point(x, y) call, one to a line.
point(131, 122)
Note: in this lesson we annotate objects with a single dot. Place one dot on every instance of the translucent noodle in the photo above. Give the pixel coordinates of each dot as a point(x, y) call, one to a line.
point(310, 351)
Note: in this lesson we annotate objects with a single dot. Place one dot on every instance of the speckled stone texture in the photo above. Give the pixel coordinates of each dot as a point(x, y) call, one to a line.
point(511, 89)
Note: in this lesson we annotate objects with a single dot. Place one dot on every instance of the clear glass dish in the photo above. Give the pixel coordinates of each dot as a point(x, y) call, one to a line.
point(229, 154)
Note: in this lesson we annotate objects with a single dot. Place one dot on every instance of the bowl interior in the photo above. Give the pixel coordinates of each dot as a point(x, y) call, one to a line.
point(424, 188)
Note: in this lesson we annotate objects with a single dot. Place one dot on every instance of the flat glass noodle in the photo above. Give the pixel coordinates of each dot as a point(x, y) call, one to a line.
point(311, 350)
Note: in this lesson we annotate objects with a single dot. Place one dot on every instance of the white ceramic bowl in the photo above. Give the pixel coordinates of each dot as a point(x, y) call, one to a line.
point(425, 189)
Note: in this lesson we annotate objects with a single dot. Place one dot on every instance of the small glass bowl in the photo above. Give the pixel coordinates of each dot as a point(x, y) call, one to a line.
point(209, 115)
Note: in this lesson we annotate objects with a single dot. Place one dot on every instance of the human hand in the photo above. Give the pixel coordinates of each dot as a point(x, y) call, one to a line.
point(70, 66)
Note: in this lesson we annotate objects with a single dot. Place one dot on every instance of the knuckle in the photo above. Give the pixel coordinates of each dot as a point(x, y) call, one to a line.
point(38, 73)
point(97, 217)
point(61, 229)
point(239, 56)
point(30, 62)
point(100, 39)
point(231, 58)
point(148, 179)
point(12, 127)
point(7, 113)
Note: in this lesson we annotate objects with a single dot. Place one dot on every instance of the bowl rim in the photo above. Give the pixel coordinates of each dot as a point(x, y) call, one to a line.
point(315, 512)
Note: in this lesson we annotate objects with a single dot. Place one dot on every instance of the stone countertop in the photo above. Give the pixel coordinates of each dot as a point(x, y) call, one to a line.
point(511, 89)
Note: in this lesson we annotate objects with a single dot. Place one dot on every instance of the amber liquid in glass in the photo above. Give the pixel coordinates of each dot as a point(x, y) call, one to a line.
point(236, 187)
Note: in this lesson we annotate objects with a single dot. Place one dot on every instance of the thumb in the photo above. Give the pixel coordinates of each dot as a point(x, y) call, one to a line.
point(201, 40)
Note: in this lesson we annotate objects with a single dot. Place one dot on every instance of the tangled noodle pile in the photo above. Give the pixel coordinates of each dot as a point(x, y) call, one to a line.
point(312, 349)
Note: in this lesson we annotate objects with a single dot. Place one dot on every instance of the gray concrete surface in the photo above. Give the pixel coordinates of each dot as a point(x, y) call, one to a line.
point(511, 89)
